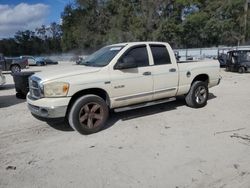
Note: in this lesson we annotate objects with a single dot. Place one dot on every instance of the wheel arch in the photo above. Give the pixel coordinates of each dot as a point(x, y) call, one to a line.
point(94, 91)
point(201, 77)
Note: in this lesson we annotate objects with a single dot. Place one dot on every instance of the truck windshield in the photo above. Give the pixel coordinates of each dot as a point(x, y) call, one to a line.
point(101, 57)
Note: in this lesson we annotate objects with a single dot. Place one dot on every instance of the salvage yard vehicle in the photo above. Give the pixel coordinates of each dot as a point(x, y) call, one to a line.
point(13, 64)
point(34, 61)
point(49, 61)
point(2, 77)
point(238, 61)
point(122, 77)
point(31, 59)
point(39, 61)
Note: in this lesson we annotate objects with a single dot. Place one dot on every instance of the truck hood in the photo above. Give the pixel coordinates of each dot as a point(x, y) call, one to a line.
point(54, 74)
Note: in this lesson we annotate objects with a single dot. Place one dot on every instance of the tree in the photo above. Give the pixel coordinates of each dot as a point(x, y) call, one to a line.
point(44, 40)
point(90, 24)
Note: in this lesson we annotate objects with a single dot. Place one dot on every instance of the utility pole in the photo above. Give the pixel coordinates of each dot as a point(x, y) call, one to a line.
point(245, 21)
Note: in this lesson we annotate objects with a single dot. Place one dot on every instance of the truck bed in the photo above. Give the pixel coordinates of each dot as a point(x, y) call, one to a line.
point(191, 68)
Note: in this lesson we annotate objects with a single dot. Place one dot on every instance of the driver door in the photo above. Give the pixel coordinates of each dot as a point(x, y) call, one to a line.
point(132, 85)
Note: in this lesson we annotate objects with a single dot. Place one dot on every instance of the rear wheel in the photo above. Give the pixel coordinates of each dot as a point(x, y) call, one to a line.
point(88, 114)
point(15, 68)
point(197, 95)
point(241, 70)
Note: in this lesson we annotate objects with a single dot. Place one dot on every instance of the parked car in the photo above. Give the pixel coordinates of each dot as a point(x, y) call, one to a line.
point(238, 61)
point(39, 61)
point(122, 77)
point(13, 64)
point(31, 59)
point(2, 77)
point(49, 61)
point(34, 61)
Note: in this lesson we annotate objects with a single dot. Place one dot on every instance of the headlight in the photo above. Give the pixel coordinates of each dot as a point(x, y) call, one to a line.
point(56, 89)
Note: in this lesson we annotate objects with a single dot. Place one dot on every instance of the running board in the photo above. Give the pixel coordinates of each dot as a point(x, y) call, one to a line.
point(132, 107)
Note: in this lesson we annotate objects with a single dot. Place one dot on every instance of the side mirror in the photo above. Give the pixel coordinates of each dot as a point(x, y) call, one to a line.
point(126, 63)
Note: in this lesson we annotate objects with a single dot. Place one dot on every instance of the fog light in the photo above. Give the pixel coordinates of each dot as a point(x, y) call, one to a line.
point(44, 112)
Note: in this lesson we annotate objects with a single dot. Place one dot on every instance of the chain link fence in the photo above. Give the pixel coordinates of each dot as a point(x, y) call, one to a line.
point(206, 53)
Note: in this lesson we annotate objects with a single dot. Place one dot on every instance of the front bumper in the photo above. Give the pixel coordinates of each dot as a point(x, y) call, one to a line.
point(48, 107)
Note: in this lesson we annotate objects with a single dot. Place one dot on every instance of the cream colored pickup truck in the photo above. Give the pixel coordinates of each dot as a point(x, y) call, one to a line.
point(121, 77)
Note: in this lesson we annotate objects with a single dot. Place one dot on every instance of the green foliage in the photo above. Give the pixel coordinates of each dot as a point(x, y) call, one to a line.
point(45, 40)
point(89, 24)
point(182, 23)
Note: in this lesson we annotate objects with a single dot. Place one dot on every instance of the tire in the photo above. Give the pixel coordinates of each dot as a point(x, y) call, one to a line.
point(241, 70)
point(198, 95)
point(88, 114)
point(15, 68)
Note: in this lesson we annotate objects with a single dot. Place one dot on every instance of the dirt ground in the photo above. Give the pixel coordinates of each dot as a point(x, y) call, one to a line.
point(167, 145)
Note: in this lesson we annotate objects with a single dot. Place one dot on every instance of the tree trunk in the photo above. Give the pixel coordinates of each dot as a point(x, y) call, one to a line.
point(245, 22)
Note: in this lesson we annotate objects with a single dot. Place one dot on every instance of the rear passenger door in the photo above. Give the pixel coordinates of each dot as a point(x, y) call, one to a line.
point(165, 72)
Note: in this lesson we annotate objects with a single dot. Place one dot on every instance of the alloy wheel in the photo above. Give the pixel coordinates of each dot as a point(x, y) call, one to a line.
point(200, 95)
point(91, 115)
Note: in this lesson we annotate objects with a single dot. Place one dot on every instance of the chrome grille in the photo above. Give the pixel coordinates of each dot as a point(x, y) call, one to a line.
point(35, 90)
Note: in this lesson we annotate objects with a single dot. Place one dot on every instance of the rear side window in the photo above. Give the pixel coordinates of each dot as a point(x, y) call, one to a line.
point(160, 54)
point(140, 55)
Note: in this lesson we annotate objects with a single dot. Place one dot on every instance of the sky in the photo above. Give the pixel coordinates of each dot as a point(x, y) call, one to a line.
point(18, 15)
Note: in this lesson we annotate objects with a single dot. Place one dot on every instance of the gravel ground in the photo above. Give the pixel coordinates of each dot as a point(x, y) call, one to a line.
point(167, 145)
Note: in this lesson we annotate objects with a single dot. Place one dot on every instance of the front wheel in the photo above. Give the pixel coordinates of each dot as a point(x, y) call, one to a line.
point(88, 114)
point(198, 95)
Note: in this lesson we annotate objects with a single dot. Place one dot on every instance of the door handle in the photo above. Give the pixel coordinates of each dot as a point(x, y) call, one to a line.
point(147, 73)
point(172, 70)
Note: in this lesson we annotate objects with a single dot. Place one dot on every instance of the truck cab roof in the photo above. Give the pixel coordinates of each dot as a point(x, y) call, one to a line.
point(139, 43)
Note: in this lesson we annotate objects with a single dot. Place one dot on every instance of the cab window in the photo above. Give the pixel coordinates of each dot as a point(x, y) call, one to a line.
point(139, 54)
point(160, 54)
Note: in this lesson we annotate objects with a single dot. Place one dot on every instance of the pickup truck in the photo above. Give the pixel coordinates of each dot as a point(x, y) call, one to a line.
point(121, 77)
point(13, 64)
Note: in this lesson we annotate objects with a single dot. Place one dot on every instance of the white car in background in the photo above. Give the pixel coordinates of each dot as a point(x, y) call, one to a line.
point(2, 78)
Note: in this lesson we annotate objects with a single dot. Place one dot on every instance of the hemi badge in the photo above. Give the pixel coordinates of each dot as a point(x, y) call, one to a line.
point(120, 86)
point(108, 82)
